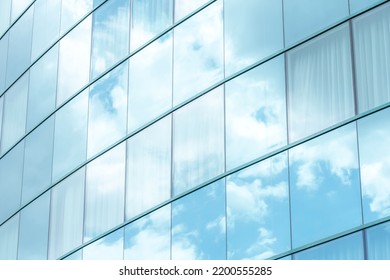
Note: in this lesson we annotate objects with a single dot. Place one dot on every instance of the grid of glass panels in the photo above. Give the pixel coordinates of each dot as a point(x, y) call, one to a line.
point(145, 134)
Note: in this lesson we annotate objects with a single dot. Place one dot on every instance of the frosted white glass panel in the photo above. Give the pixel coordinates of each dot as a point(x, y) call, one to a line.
point(105, 191)
point(372, 57)
point(148, 168)
point(319, 83)
point(9, 239)
point(198, 141)
point(66, 215)
point(74, 58)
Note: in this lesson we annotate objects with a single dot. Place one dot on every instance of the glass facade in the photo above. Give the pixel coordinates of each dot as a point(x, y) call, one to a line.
point(132, 130)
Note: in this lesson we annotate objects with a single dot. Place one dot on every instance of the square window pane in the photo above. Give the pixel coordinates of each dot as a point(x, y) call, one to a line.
point(198, 141)
point(253, 30)
point(198, 53)
point(258, 213)
point(324, 184)
point(34, 228)
point(70, 135)
point(105, 191)
point(38, 158)
point(74, 58)
point(374, 152)
point(149, 18)
point(110, 36)
point(42, 92)
point(372, 48)
point(66, 215)
point(255, 113)
point(148, 168)
point(149, 238)
point(109, 247)
point(378, 242)
point(320, 83)
point(199, 224)
point(9, 239)
point(72, 11)
point(14, 115)
point(305, 17)
point(107, 110)
point(150, 82)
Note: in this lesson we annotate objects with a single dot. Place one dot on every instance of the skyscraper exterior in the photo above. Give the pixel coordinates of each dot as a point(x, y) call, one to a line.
point(194, 129)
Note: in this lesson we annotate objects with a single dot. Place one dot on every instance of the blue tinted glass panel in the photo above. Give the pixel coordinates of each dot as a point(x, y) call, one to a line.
point(149, 238)
point(372, 48)
point(74, 58)
point(253, 30)
point(374, 151)
point(5, 15)
point(46, 28)
point(185, 7)
point(198, 53)
point(305, 17)
point(378, 242)
point(19, 49)
point(149, 18)
point(358, 5)
point(148, 168)
point(107, 110)
point(198, 144)
point(258, 219)
point(3, 61)
point(1, 114)
point(320, 83)
point(324, 180)
point(42, 92)
point(70, 135)
point(14, 115)
point(150, 82)
point(105, 191)
point(110, 36)
point(11, 174)
point(349, 247)
point(66, 215)
point(109, 247)
point(255, 113)
point(38, 157)
point(199, 224)
point(72, 11)
point(18, 7)
point(9, 239)
point(33, 230)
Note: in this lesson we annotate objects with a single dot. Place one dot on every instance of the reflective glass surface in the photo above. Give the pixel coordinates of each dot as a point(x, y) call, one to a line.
point(19, 48)
point(349, 247)
point(149, 237)
point(1, 115)
point(255, 113)
point(66, 215)
point(110, 36)
point(46, 28)
point(305, 17)
point(72, 11)
point(18, 6)
point(324, 186)
point(372, 59)
point(198, 144)
point(148, 168)
point(5, 15)
point(3, 61)
point(11, 174)
point(253, 30)
point(198, 53)
point(358, 5)
point(33, 229)
point(38, 157)
point(42, 92)
point(109, 247)
point(199, 224)
point(107, 110)
point(150, 82)
point(74, 58)
point(185, 7)
point(149, 18)
point(378, 242)
point(70, 135)
point(14, 114)
point(374, 152)
point(258, 215)
point(9, 239)
point(105, 191)
point(320, 83)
